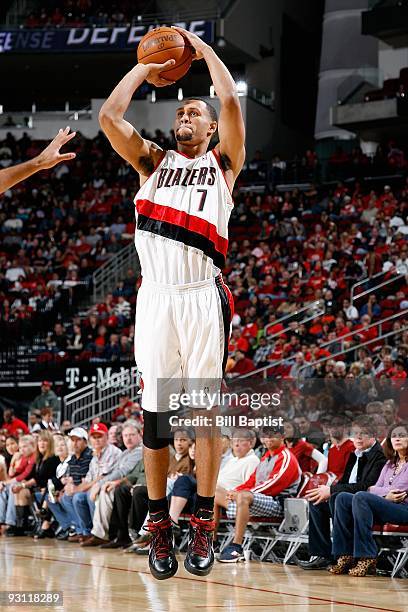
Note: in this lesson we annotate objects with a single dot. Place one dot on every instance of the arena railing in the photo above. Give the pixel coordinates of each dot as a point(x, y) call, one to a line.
point(83, 405)
point(363, 281)
point(321, 309)
point(108, 275)
point(352, 348)
point(78, 400)
point(379, 286)
point(318, 305)
point(289, 361)
point(352, 333)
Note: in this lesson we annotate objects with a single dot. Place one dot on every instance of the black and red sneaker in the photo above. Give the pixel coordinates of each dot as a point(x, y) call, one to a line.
point(162, 559)
point(200, 554)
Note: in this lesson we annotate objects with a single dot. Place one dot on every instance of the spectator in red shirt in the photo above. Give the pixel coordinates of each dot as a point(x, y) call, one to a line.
point(306, 454)
point(341, 328)
point(341, 447)
point(238, 342)
point(12, 424)
point(363, 332)
point(242, 365)
point(398, 373)
point(125, 403)
point(21, 468)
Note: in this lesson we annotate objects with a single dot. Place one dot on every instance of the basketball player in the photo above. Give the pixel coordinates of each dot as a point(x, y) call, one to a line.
point(183, 308)
point(48, 158)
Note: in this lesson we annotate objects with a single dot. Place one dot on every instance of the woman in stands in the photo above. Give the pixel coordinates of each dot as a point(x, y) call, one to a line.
point(306, 454)
point(7, 512)
point(54, 484)
point(184, 490)
point(44, 469)
point(21, 467)
point(10, 450)
point(384, 502)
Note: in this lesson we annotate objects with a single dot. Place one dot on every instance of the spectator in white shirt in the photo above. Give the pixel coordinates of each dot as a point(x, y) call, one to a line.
point(14, 272)
point(350, 311)
point(122, 310)
point(402, 262)
point(238, 468)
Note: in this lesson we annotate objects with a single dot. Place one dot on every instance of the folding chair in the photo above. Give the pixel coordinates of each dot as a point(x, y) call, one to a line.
point(401, 532)
point(295, 525)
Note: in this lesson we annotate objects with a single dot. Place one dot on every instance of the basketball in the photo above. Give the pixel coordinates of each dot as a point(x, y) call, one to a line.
point(162, 44)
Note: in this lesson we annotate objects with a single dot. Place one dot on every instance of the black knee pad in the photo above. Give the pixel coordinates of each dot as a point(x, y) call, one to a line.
point(156, 429)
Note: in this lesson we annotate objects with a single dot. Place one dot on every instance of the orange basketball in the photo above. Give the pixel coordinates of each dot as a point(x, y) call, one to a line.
point(162, 44)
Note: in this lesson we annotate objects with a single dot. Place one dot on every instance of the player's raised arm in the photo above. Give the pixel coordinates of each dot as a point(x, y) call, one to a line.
point(231, 128)
point(48, 158)
point(124, 138)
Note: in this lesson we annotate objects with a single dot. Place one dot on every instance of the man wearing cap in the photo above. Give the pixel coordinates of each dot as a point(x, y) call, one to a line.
point(46, 399)
point(277, 476)
point(104, 504)
point(104, 461)
point(78, 467)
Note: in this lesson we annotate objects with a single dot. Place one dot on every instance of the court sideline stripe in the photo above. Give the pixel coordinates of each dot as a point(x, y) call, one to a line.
point(236, 586)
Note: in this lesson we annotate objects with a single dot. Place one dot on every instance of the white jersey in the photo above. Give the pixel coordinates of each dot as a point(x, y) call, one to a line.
point(182, 214)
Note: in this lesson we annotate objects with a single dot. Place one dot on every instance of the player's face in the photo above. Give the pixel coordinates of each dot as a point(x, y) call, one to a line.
point(193, 123)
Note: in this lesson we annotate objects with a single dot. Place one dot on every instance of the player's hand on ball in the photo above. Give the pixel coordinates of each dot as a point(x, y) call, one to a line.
point(51, 155)
point(155, 70)
point(199, 46)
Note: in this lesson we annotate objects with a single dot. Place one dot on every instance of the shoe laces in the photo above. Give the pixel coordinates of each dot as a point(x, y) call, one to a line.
point(201, 530)
point(161, 541)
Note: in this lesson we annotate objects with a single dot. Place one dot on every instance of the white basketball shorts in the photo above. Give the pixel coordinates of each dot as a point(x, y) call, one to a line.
point(181, 338)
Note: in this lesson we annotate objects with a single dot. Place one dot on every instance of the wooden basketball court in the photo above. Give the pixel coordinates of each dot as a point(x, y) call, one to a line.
point(93, 580)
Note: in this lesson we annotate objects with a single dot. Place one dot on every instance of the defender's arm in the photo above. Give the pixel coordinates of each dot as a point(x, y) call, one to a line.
point(50, 157)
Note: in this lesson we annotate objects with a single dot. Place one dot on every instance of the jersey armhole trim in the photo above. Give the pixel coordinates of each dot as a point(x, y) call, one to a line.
point(159, 161)
point(218, 158)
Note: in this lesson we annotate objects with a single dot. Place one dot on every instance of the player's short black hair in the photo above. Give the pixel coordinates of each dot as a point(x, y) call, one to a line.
point(210, 108)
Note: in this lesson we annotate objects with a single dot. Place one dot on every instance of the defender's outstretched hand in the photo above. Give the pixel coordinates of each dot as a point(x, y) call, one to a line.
point(48, 158)
point(51, 155)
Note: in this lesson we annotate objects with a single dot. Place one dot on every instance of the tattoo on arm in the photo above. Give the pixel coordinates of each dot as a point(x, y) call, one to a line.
point(146, 164)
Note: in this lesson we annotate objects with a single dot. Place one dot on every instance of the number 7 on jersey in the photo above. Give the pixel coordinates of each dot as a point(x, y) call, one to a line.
point(202, 199)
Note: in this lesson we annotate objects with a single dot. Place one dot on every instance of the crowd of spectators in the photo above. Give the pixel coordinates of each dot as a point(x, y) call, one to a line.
point(288, 251)
point(388, 158)
point(55, 230)
point(76, 13)
point(88, 487)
